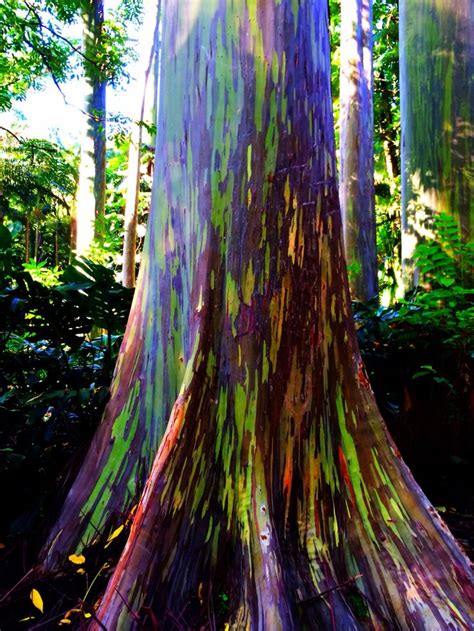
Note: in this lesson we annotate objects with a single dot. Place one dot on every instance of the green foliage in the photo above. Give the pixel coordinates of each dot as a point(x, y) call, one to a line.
point(36, 172)
point(130, 11)
point(445, 298)
point(388, 232)
point(58, 343)
point(419, 352)
point(116, 51)
point(47, 276)
point(6, 241)
point(93, 289)
point(57, 349)
point(31, 46)
point(37, 184)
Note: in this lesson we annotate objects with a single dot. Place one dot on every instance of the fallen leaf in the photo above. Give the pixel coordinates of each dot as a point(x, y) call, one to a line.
point(78, 559)
point(114, 535)
point(36, 599)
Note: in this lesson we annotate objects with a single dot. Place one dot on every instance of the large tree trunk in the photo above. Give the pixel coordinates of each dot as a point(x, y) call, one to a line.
point(90, 201)
point(276, 482)
point(356, 188)
point(437, 118)
point(133, 173)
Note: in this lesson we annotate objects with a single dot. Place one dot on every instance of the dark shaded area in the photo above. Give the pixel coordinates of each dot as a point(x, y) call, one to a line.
point(57, 350)
point(423, 386)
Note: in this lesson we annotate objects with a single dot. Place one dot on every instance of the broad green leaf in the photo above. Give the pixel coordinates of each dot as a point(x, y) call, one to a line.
point(446, 282)
point(5, 238)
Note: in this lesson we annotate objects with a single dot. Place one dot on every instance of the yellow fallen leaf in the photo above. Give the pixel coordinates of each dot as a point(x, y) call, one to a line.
point(87, 615)
point(65, 621)
point(36, 599)
point(81, 570)
point(27, 618)
point(114, 535)
point(78, 559)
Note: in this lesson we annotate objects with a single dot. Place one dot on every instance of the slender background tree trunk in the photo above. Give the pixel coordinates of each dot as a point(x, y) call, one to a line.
point(356, 188)
point(27, 237)
point(90, 201)
point(37, 233)
point(437, 118)
point(388, 133)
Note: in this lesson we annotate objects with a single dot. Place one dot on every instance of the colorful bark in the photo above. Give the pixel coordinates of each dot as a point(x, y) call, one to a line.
point(275, 481)
point(437, 118)
point(143, 392)
point(130, 215)
point(90, 202)
point(356, 190)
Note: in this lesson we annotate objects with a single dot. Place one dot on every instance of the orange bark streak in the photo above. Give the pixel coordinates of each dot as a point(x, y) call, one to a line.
point(345, 473)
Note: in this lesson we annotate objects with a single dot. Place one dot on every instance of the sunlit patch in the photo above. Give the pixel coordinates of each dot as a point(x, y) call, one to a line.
point(189, 17)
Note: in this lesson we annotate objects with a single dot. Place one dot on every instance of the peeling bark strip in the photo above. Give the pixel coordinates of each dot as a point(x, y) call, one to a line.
point(356, 188)
point(437, 118)
point(276, 481)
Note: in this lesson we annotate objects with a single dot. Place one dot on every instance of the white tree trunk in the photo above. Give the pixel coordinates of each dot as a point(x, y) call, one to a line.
point(357, 147)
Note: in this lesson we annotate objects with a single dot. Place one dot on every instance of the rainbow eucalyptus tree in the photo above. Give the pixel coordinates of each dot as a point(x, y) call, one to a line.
point(90, 200)
point(437, 118)
point(275, 482)
point(356, 189)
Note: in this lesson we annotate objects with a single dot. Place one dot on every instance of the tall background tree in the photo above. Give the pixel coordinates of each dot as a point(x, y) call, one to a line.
point(275, 481)
point(437, 118)
point(356, 189)
point(90, 201)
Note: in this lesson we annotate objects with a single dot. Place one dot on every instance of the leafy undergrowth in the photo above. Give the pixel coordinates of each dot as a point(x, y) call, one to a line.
point(419, 357)
point(57, 351)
